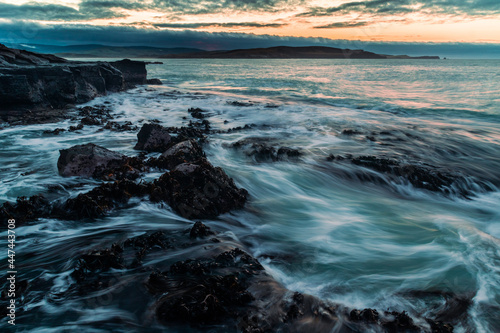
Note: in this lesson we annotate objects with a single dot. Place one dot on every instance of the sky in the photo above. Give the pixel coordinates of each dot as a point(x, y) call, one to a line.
point(224, 24)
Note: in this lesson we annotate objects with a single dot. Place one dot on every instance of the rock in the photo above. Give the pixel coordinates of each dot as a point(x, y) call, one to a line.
point(154, 138)
point(198, 190)
point(243, 104)
point(87, 160)
point(197, 113)
point(25, 210)
point(419, 176)
point(134, 72)
point(10, 57)
point(75, 128)
point(57, 131)
point(261, 149)
point(31, 83)
point(99, 201)
point(188, 151)
point(349, 131)
point(200, 230)
point(116, 127)
point(156, 82)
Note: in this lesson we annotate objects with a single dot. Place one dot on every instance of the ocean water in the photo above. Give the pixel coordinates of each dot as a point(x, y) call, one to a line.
point(327, 228)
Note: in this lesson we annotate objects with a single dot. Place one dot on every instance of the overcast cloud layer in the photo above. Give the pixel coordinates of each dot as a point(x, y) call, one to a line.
point(65, 34)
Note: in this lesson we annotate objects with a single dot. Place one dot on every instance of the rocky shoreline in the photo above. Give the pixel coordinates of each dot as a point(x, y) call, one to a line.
point(214, 284)
point(36, 88)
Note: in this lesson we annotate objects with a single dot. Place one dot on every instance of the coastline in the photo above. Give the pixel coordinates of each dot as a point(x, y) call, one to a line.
point(227, 286)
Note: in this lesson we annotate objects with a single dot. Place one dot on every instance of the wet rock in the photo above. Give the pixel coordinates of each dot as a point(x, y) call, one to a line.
point(349, 131)
point(156, 82)
point(116, 127)
point(198, 190)
point(87, 160)
point(419, 176)
point(398, 322)
point(154, 138)
point(134, 72)
point(262, 150)
point(214, 290)
point(188, 151)
point(197, 113)
point(57, 131)
point(99, 201)
point(90, 121)
point(25, 210)
point(75, 128)
point(243, 104)
point(199, 230)
point(366, 315)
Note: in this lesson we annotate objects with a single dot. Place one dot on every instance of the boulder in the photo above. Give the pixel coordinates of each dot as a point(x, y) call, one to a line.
point(154, 138)
point(188, 151)
point(156, 82)
point(198, 190)
point(87, 160)
point(134, 72)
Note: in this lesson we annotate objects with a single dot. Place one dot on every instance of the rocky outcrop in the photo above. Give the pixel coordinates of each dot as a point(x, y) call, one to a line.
point(87, 160)
point(154, 138)
point(31, 81)
point(198, 190)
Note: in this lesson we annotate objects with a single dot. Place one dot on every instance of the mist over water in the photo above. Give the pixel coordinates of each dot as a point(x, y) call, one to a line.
point(332, 229)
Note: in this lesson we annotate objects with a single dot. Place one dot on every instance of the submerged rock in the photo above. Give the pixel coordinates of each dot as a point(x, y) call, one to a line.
point(263, 149)
point(87, 160)
point(198, 190)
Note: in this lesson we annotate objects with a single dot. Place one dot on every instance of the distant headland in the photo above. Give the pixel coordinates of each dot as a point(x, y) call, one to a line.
point(277, 52)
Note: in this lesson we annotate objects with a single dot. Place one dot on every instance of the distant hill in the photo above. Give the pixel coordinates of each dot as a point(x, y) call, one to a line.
point(277, 52)
point(287, 52)
point(103, 51)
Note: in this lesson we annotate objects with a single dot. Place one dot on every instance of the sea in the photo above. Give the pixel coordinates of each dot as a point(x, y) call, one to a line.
point(329, 228)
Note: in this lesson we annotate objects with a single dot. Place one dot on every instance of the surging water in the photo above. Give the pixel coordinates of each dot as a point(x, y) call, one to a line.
point(315, 226)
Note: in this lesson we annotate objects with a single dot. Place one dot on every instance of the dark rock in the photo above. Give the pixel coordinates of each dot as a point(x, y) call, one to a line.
point(25, 209)
point(214, 290)
point(154, 137)
point(134, 72)
point(31, 83)
point(419, 176)
point(197, 113)
point(90, 121)
point(198, 190)
point(366, 315)
point(57, 131)
point(14, 57)
point(116, 127)
point(349, 131)
point(399, 322)
point(87, 160)
point(99, 201)
point(200, 230)
point(75, 128)
point(262, 150)
point(236, 103)
point(156, 82)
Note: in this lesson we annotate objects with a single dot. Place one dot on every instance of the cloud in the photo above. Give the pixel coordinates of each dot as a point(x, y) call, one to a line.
point(398, 7)
point(53, 12)
point(20, 32)
point(215, 6)
point(342, 25)
point(223, 25)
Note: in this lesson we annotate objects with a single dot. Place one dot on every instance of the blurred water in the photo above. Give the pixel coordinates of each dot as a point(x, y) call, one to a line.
point(316, 228)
